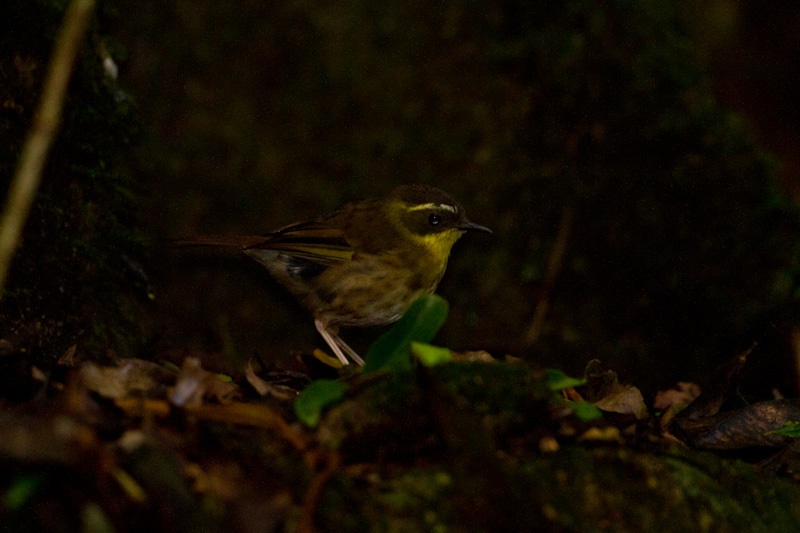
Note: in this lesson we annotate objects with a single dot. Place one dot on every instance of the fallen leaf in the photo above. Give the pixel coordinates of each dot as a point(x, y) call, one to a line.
point(627, 401)
point(599, 383)
point(605, 434)
point(723, 385)
point(261, 386)
point(753, 425)
point(223, 480)
point(195, 384)
point(548, 445)
point(68, 358)
point(237, 413)
point(6, 348)
point(38, 375)
point(130, 376)
point(141, 407)
point(481, 356)
point(679, 397)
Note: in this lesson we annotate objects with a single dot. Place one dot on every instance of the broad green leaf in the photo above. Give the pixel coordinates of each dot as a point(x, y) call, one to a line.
point(419, 324)
point(790, 429)
point(557, 380)
point(319, 394)
point(430, 355)
point(585, 411)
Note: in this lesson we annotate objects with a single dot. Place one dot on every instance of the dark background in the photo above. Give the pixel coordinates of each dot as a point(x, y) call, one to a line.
point(666, 128)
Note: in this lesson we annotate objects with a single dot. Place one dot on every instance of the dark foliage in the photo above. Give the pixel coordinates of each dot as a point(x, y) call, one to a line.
point(682, 251)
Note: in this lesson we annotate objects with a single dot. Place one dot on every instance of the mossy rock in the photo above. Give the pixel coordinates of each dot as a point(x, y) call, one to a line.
point(458, 449)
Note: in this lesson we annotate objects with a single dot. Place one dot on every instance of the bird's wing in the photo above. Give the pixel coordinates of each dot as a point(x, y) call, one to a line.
point(313, 241)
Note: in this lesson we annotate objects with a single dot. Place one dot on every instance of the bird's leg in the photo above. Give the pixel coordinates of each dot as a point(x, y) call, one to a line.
point(337, 344)
point(351, 352)
point(329, 338)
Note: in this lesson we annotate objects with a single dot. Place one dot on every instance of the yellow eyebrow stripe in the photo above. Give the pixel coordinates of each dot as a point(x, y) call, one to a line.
point(422, 207)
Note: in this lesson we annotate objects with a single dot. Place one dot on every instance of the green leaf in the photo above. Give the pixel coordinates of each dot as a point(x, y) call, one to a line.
point(319, 394)
point(430, 355)
point(21, 490)
point(790, 429)
point(585, 411)
point(557, 380)
point(95, 520)
point(172, 367)
point(419, 324)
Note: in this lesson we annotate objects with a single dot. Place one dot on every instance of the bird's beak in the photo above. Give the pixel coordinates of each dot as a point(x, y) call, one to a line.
point(471, 226)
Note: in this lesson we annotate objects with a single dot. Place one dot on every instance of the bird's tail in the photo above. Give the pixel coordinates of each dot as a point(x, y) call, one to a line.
point(241, 242)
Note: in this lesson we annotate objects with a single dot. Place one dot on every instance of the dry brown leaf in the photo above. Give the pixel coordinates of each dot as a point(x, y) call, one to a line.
point(626, 400)
point(757, 424)
point(223, 480)
point(679, 397)
point(238, 413)
point(548, 445)
point(50, 438)
point(130, 376)
point(6, 348)
point(601, 434)
point(140, 407)
point(68, 358)
point(195, 384)
point(481, 356)
point(572, 395)
point(261, 386)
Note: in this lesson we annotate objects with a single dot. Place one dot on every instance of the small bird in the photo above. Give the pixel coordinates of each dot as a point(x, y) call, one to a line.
point(364, 264)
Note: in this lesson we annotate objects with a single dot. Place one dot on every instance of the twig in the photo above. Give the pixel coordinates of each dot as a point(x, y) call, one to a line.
point(553, 267)
point(314, 492)
point(237, 413)
point(795, 340)
point(42, 132)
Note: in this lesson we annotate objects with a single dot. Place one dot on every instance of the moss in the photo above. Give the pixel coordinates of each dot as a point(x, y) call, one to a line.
point(392, 417)
point(481, 468)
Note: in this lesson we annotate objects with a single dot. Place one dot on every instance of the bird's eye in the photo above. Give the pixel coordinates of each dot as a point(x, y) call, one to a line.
point(434, 219)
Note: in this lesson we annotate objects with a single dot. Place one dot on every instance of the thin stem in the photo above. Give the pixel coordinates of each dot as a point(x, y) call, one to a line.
point(42, 132)
point(553, 268)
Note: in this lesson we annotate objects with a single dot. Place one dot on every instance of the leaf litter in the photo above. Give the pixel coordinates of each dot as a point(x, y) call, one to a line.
point(187, 449)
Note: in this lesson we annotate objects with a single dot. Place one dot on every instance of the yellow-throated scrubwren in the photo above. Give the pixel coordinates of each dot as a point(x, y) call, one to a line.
point(364, 264)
